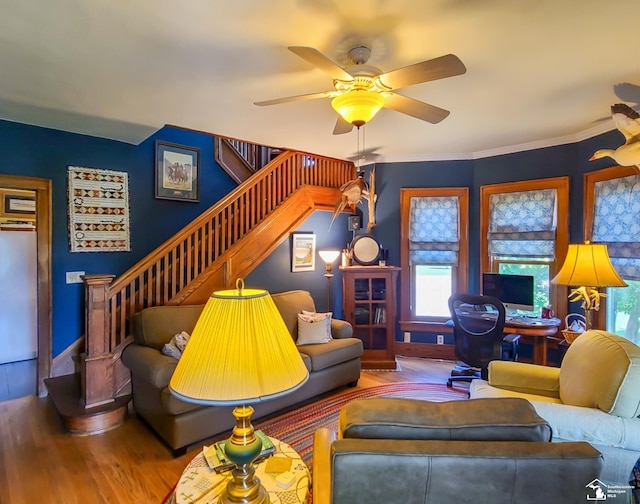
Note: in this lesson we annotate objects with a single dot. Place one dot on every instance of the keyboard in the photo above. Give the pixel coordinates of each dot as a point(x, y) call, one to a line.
point(526, 321)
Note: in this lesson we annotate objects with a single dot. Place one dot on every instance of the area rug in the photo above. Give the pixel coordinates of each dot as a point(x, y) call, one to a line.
point(296, 427)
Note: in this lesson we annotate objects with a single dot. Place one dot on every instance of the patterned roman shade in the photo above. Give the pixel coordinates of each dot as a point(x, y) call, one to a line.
point(434, 230)
point(616, 223)
point(523, 224)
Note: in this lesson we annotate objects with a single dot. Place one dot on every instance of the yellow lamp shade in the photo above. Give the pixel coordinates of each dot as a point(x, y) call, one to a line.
point(240, 352)
point(358, 106)
point(588, 265)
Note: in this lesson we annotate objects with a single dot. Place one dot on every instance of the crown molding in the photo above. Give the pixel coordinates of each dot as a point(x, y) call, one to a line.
point(599, 129)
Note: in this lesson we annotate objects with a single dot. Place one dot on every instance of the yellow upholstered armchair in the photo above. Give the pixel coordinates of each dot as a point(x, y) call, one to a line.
point(594, 396)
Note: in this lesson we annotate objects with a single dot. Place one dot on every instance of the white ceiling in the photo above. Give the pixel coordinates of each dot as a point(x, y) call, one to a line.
point(538, 71)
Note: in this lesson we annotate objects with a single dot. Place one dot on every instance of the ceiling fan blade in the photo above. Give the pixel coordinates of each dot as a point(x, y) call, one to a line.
point(433, 69)
point(311, 96)
point(415, 108)
point(342, 126)
point(319, 60)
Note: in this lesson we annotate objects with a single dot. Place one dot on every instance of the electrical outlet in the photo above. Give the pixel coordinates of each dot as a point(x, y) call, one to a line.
point(407, 337)
point(440, 339)
point(74, 276)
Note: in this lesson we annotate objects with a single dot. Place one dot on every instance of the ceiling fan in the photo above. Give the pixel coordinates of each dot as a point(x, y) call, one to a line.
point(361, 90)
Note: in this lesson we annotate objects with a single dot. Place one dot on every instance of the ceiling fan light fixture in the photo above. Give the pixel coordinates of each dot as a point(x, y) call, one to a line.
point(358, 106)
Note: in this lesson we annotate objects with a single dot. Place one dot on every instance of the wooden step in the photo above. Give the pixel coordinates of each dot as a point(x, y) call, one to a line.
point(64, 392)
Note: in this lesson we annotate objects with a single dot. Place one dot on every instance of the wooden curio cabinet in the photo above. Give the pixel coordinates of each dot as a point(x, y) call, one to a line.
point(369, 303)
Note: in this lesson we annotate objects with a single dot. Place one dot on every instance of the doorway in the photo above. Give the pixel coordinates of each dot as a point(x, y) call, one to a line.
point(42, 189)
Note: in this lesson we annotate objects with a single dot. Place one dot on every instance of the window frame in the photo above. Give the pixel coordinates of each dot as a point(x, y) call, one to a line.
point(557, 293)
point(590, 179)
point(408, 319)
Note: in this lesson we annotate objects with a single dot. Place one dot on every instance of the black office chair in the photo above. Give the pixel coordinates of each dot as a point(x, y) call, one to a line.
point(478, 324)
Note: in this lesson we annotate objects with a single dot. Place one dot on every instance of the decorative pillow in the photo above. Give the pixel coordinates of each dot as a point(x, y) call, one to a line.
point(313, 328)
point(317, 315)
point(175, 347)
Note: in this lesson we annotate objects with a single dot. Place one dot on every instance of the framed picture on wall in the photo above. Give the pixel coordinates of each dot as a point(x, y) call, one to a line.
point(22, 205)
point(177, 172)
point(303, 252)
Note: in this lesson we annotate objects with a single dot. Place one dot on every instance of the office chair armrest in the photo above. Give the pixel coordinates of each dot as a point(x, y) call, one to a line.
point(525, 378)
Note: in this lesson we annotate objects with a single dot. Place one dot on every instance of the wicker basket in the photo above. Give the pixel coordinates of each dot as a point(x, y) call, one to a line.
point(569, 335)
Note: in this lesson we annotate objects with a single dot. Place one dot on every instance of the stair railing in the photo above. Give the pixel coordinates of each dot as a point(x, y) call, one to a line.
point(256, 156)
point(161, 275)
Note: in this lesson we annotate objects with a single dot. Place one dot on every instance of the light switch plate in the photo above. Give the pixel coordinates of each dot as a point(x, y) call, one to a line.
point(74, 276)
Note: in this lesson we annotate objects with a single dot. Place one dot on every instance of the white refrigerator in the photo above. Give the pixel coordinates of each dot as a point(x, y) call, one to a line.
point(18, 296)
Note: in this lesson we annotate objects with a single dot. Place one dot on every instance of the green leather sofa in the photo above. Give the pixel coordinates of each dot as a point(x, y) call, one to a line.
point(480, 451)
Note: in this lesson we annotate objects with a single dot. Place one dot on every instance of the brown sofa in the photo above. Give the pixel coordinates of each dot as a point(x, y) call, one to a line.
point(478, 451)
point(179, 424)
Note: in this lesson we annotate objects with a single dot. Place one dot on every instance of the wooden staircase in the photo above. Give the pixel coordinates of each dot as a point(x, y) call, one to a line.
point(224, 243)
point(242, 159)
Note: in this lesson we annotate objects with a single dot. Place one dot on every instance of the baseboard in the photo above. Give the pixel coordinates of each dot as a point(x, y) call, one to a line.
point(64, 364)
point(425, 350)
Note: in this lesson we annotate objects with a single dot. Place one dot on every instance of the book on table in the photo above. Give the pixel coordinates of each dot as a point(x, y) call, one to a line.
point(220, 461)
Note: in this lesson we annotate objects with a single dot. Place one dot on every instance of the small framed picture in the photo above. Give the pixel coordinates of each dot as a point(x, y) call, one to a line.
point(177, 172)
point(303, 252)
point(24, 205)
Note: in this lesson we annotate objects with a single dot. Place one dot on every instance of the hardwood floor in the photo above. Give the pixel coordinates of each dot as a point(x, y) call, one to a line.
point(40, 463)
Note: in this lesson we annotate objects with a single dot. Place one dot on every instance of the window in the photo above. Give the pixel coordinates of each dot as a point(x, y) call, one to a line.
point(524, 231)
point(623, 311)
point(433, 288)
point(612, 206)
point(434, 251)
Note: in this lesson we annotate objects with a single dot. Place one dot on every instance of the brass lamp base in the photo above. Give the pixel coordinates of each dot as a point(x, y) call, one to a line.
point(244, 488)
point(242, 448)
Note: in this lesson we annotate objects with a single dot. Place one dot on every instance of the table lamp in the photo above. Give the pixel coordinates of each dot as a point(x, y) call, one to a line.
point(240, 353)
point(329, 256)
point(588, 267)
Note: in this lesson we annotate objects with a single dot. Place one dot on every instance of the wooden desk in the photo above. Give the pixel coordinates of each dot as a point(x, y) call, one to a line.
point(538, 335)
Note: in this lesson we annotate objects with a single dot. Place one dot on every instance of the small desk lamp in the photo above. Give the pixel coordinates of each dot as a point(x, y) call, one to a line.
point(329, 256)
point(240, 353)
point(588, 267)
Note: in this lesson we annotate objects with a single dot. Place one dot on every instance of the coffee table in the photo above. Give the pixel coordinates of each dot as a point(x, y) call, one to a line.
point(201, 485)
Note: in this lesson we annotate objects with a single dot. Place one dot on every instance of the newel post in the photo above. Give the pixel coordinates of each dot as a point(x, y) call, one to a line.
point(97, 380)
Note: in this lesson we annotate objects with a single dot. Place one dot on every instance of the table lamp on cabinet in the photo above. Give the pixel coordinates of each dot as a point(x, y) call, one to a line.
point(588, 267)
point(240, 353)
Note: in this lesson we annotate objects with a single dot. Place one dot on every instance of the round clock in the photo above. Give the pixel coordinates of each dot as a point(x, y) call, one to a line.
point(366, 250)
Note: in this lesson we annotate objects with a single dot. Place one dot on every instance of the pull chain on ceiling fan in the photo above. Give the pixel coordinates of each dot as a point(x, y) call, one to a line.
point(361, 151)
point(361, 90)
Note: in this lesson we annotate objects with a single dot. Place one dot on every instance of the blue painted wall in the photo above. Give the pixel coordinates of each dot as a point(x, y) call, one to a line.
point(275, 274)
point(46, 153)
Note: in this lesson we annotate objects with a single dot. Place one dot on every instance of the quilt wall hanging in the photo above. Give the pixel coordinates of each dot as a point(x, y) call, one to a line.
point(98, 210)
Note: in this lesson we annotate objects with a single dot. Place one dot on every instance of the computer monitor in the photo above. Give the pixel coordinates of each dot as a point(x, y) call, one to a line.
point(515, 291)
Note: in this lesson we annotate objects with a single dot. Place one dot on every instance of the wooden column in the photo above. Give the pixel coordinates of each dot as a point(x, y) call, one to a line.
point(97, 381)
